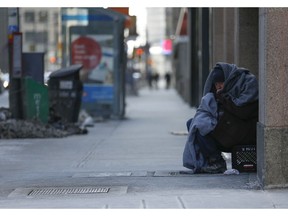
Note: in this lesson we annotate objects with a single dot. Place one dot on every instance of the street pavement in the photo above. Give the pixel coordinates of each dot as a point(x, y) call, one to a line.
point(133, 163)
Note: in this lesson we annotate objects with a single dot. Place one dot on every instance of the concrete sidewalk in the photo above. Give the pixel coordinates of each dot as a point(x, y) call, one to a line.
point(133, 163)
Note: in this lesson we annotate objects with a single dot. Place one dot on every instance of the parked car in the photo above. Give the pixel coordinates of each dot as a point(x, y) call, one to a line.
point(5, 80)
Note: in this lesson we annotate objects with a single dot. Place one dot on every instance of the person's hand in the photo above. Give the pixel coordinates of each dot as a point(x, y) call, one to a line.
point(219, 98)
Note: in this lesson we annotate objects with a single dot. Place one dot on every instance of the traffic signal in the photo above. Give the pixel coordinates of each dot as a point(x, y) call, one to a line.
point(138, 52)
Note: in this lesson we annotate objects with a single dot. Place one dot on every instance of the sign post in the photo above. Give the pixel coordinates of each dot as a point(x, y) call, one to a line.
point(17, 55)
point(15, 63)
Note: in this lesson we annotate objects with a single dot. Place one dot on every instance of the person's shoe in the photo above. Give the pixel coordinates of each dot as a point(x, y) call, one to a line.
point(214, 168)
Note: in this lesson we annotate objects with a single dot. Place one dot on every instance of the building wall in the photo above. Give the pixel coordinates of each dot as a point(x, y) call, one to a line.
point(158, 28)
point(156, 25)
point(180, 67)
point(229, 34)
point(217, 36)
point(255, 39)
point(247, 38)
point(40, 28)
point(272, 148)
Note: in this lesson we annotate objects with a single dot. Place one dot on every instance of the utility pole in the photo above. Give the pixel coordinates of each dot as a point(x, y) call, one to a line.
point(15, 63)
point(4, 51)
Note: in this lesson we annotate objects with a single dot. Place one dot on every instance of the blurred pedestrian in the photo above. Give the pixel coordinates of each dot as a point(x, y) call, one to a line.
point(130, 81)
point(155, 79)
point(168, 79)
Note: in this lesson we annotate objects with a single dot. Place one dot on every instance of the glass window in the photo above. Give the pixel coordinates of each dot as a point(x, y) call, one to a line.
point(43, 16)
point(29, 16)
point(42, 37)
point(30, 36)
point(36, 37)
point(56, 17)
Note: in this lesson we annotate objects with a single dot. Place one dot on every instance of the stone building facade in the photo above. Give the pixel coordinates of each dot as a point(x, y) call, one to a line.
point(254, 38)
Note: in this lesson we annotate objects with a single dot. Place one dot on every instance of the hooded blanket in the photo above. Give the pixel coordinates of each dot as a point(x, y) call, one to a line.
point(240, 85)
point(204, 121)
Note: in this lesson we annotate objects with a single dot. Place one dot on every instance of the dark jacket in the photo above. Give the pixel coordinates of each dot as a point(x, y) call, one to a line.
point(236, 124)
point(238, 106)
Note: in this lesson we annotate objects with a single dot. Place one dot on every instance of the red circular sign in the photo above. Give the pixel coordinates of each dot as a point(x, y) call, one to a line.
point(87, 52)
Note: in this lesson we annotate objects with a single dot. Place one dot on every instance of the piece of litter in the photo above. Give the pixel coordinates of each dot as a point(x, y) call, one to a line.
point(231, 172)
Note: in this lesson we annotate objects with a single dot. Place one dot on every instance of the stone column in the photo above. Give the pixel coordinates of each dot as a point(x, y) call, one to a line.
point(217, 36)
point(246, 38)
point(193, 64)
point(203, 52)
point(272, 129)
point(229, 32)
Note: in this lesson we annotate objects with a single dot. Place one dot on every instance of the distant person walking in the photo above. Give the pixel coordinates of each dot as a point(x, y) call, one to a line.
point(168, 80)
point(155, 79)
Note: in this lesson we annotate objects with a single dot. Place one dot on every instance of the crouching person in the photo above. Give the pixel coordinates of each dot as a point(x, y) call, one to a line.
point(226, 117)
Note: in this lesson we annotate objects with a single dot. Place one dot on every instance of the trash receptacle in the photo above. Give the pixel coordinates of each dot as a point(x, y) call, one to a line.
point(35, 100)
point(65, 92)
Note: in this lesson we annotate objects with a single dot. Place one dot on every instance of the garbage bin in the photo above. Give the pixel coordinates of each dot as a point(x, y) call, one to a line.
point(65, 92)
point(35, 100)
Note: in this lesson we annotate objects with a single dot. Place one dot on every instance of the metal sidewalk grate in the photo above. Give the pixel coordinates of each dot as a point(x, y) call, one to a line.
point(61, 191)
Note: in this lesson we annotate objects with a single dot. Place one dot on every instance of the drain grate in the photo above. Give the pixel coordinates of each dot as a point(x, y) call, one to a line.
point(61, 191)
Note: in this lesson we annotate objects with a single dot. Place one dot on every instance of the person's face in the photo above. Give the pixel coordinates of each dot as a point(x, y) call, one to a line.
point(219, 86)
